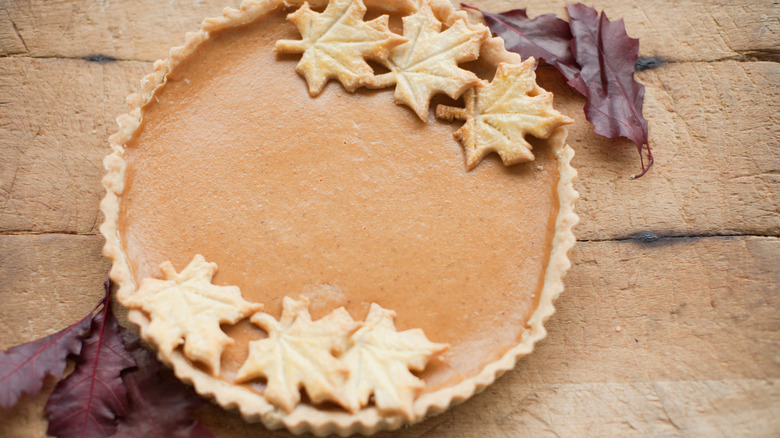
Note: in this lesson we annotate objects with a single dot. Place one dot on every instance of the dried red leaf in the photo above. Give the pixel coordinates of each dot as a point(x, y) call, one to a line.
point(24, 368)
point(545, 37)
point(608, 57)
point(596, 57)
point(117, 387)
point(160, 405)
point(88, 402)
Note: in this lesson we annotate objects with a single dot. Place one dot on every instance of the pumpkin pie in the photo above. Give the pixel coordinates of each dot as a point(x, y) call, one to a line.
point(307, 219)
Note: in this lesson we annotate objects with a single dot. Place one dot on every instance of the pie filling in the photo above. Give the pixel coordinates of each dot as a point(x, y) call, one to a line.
point(345, 198)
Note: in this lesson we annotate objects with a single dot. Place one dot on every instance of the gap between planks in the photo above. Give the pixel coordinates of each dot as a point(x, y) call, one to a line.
point(641, 237)
point(746, 55)
point(45, 233)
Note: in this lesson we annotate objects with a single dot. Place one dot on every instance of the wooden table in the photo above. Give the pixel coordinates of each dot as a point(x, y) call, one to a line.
point(670, 322)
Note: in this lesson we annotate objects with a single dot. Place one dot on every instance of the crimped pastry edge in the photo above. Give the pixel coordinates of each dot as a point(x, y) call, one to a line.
point(305, 418)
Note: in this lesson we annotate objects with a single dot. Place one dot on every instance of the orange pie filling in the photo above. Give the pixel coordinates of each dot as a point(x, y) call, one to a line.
point(344, 198)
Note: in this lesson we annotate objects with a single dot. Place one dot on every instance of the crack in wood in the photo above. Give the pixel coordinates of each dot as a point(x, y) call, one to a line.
point(643, 63)
point(649, 238)
point(100, 59)
point(649, 63)
point(18, 34)
point(45, 233)
point(765, 55)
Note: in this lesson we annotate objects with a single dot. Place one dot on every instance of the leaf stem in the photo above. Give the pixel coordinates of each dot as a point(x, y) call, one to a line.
point(650, 161)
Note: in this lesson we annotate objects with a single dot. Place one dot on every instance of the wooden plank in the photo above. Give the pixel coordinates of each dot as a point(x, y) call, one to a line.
point(689, 30)
point(714, 130)
point(669, 409)
point(678, 337)
point(678, 309)
point(49, 282)
point(714, 409)
point(55, 119)
point(135, 30)
point(713, 126)
point(11, 42)
point(616, 409)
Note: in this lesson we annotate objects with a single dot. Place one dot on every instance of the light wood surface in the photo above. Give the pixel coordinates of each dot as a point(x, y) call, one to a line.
point(670, 322)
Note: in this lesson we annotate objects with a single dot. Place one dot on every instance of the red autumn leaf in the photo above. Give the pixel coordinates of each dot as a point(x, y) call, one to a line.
point(117, 388)
point(545, 37)
point(23, 368)
point(596, 57)
point(88, 402)
point(608, 57)
point(160, 405)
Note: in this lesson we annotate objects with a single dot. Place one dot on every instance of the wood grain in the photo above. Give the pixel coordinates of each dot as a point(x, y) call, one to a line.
point(668, 409)
point(134, 30)
point(710, 178)
point(685, 30)
point(55, 120)
point(49, 282)
point(691, 30)
point(670, 323)
point(655, 354)
point(713, 129)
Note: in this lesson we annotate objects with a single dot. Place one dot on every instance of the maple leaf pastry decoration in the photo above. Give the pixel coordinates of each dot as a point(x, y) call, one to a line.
point(379, 360)
point(299, 352)
point(428, 63)
point(499, 115)
point(336, 42)
point(187, 309)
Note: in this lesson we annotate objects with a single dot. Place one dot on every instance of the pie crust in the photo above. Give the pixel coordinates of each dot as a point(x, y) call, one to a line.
point(305, 417)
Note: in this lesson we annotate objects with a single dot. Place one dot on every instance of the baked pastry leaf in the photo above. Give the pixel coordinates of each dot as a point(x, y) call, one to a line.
point(379, 359)
point(299, 353)
point(336, 42)
point(186, 308)
point(499, 115)
point(428, 63)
